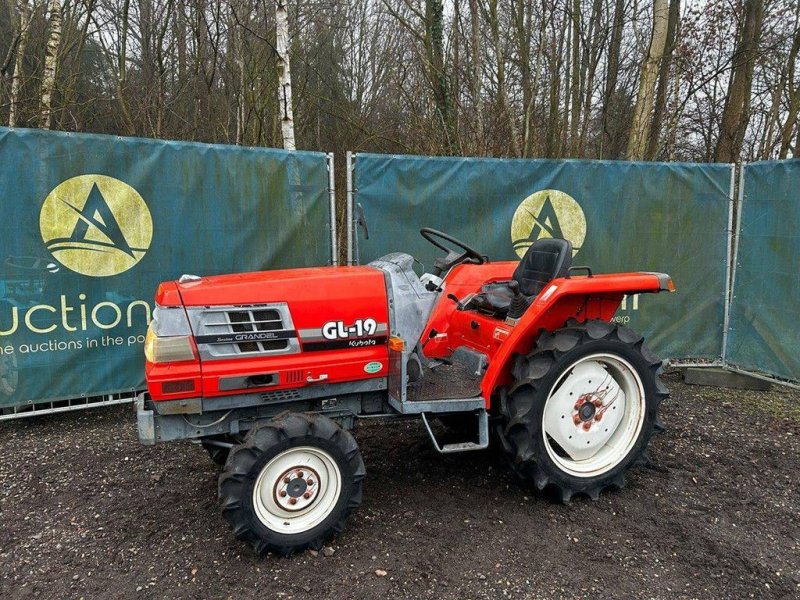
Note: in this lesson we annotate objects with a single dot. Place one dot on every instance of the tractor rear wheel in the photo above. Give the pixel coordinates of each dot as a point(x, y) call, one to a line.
point(582, 408)
point(292, 483)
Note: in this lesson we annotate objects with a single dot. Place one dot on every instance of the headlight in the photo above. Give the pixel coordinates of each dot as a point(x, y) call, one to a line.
point(168, 349)
point(150, 345)
point(169, 337)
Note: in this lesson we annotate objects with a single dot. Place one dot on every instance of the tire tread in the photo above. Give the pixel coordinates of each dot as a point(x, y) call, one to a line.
point(517, 403)
point(234, 486)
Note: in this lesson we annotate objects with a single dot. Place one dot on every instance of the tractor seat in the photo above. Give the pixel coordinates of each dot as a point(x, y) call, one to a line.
point(545, 260)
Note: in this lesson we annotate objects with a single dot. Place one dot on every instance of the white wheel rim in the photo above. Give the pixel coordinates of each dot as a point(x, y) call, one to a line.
point(593, 415)
point(297, 490)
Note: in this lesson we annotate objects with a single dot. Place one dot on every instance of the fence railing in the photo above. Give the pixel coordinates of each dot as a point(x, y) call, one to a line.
point(91, 224)
point(726, 233)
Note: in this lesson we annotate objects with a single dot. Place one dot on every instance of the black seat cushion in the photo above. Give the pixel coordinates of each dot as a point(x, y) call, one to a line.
point(545, 260)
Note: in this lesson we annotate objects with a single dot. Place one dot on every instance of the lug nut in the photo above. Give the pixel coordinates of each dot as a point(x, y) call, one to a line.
point(576, 419)
point(310, 482)
point(587, 426)
point(307, 495)
point(282, 494)
point(598, 416)
point(300, 474)
point(287, 479)
point(292, 500)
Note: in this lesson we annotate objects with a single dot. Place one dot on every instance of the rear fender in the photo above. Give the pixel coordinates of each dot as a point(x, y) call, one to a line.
point(580, 298)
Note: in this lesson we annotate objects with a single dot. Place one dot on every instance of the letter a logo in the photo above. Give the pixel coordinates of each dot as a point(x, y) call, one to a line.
point(546, 222)
point(96, 225)
point(547, 214)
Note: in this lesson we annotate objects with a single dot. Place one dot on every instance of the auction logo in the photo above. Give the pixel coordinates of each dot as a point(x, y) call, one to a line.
point(96, 225)
point(548, 214)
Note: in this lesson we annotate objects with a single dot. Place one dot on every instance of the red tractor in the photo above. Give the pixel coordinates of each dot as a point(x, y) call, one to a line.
point(270, 370)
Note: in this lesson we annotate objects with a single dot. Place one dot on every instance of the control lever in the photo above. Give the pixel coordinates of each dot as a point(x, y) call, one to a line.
point(519, 303)
point(432, 287)
point(452, 297)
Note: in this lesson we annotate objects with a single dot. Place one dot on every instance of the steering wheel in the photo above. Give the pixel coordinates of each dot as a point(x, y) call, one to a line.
point(441, 265)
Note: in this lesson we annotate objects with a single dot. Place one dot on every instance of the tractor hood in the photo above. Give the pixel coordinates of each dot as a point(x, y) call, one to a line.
point(323, 285)
point(270, 330)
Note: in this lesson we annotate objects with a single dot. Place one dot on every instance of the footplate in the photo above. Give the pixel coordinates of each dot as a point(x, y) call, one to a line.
point(483, 436)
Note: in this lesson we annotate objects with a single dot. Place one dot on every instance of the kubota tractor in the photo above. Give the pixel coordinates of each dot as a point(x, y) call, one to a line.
point(270, 370)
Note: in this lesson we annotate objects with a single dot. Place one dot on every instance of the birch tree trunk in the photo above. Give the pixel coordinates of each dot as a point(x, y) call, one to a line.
point(16, 77)
point(640, 126)
point(284, 74)
point(50, 65)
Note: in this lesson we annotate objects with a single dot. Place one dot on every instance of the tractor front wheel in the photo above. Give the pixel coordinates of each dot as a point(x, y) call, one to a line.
point(582, 408)
point(292, 483)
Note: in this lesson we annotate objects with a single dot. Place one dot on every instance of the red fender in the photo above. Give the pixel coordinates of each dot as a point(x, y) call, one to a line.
point(580, 298)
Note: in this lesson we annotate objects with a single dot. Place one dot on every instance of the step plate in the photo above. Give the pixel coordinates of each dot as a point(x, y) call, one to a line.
point(444, 382)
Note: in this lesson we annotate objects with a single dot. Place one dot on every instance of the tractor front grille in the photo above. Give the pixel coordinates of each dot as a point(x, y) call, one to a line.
point(253, 330)
point(257, 320)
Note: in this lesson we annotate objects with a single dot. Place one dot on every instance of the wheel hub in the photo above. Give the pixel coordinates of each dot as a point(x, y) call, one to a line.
point(587, 411)
point(589, 408)
point(296, 488)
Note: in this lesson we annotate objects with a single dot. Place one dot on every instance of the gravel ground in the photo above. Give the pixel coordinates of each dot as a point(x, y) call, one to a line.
point(85, 511)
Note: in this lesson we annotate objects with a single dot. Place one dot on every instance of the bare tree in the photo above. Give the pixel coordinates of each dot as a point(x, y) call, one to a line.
point(793, 91)
point(476, 74)
point(612, 74)
point(284, 74)
point(17, 50)
point(663, 82)
point(695, 80)
point(50, 65)
point(736, 115)
point(640, 127)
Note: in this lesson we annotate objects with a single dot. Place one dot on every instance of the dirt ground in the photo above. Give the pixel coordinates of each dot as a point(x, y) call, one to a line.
point(85, 511)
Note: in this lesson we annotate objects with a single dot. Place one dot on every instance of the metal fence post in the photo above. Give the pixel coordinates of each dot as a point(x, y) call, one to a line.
point(728, 257)
point(736, 232)
point(332, 211)
point(349, 208)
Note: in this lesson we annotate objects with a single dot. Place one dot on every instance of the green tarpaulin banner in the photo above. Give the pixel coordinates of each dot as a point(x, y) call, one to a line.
point(764, 334)
point(91, 224)
point(619, 216)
